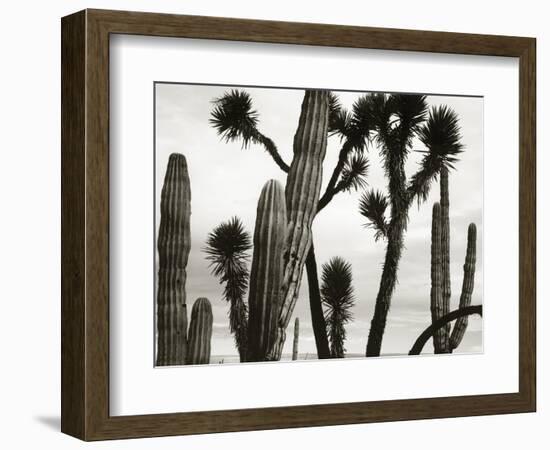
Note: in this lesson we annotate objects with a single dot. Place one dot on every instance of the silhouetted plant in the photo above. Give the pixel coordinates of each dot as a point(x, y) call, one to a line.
point(398, 119)
point(174, 244)
point(234, 118)
point(338, 299)
point(440, 298)
point(227, 249)
point(267, 272)
point(200, 332)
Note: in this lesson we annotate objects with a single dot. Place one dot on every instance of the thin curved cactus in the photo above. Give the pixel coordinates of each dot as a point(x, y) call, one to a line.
point(296, 337)
point(174, 244)
point(200, 332)
point(467, 287)
point(457, 315)
point(266, 273)
point(302, 197)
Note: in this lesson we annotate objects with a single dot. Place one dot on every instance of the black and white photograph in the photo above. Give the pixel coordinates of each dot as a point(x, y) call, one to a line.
point(298, 224)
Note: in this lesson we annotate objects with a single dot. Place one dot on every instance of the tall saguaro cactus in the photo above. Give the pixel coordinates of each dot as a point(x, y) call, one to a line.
point(200, 332)
point(445, 245)
point(438, 305)
point(302, 197)
point(174, 244)
point(444, 341)
point(266, 273)
point(296, 337)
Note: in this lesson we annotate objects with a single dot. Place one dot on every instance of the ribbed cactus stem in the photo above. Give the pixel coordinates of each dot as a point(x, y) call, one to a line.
point(296, 336)
point(445, 248)
point(467, 287)
point(436, 298)
point(200, 332)
point(174, 244)
point(266, 274)
point(302, 197)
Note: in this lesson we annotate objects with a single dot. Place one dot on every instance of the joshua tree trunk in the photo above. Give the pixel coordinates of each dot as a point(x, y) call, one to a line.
point(387, 285)
point(174, 244)
point(317, 316)
point(302, 198)
point(296, 336)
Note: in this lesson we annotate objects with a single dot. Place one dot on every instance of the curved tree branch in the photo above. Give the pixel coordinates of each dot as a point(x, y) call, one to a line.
point(332, 189)
point(271, 148)
point(453, 315)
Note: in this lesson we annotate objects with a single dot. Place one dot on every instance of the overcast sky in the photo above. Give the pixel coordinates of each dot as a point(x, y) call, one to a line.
point(226, 181)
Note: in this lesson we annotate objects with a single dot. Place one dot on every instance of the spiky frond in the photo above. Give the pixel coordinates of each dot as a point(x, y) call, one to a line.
point(411, 110)
point(361, 124)
point(339, 123)
point(379, 110)
point(441, 135)
point(234, 118)
point(227, 249)
point(335, 111)
point(372, 206)
point(338, 299)
point(354, 173)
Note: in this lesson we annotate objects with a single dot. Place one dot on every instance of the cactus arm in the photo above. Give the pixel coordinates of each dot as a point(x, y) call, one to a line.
point(302, 198)
point(440, 336)
point(200, 332)
point(266, 273)
point(435, 326)
point(174, 244)
point(296, 336)
point(467, 287)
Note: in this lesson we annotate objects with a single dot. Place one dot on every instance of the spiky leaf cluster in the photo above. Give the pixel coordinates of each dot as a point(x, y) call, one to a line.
point(234, 118)
point(354, 173)
point(442, 137)
point(338, 299)
point(227, 248)
point(372, 206)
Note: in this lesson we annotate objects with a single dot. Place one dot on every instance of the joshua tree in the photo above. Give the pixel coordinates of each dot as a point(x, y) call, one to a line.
point(227, 248)
point(234, 118)
point(398, 119)
point(338, 299)
point(174, 244)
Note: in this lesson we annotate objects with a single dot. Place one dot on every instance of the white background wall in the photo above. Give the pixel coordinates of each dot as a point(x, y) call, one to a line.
point(30, 223)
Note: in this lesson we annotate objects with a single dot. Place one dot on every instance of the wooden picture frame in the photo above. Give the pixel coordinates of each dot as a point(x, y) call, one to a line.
point(85, 224)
